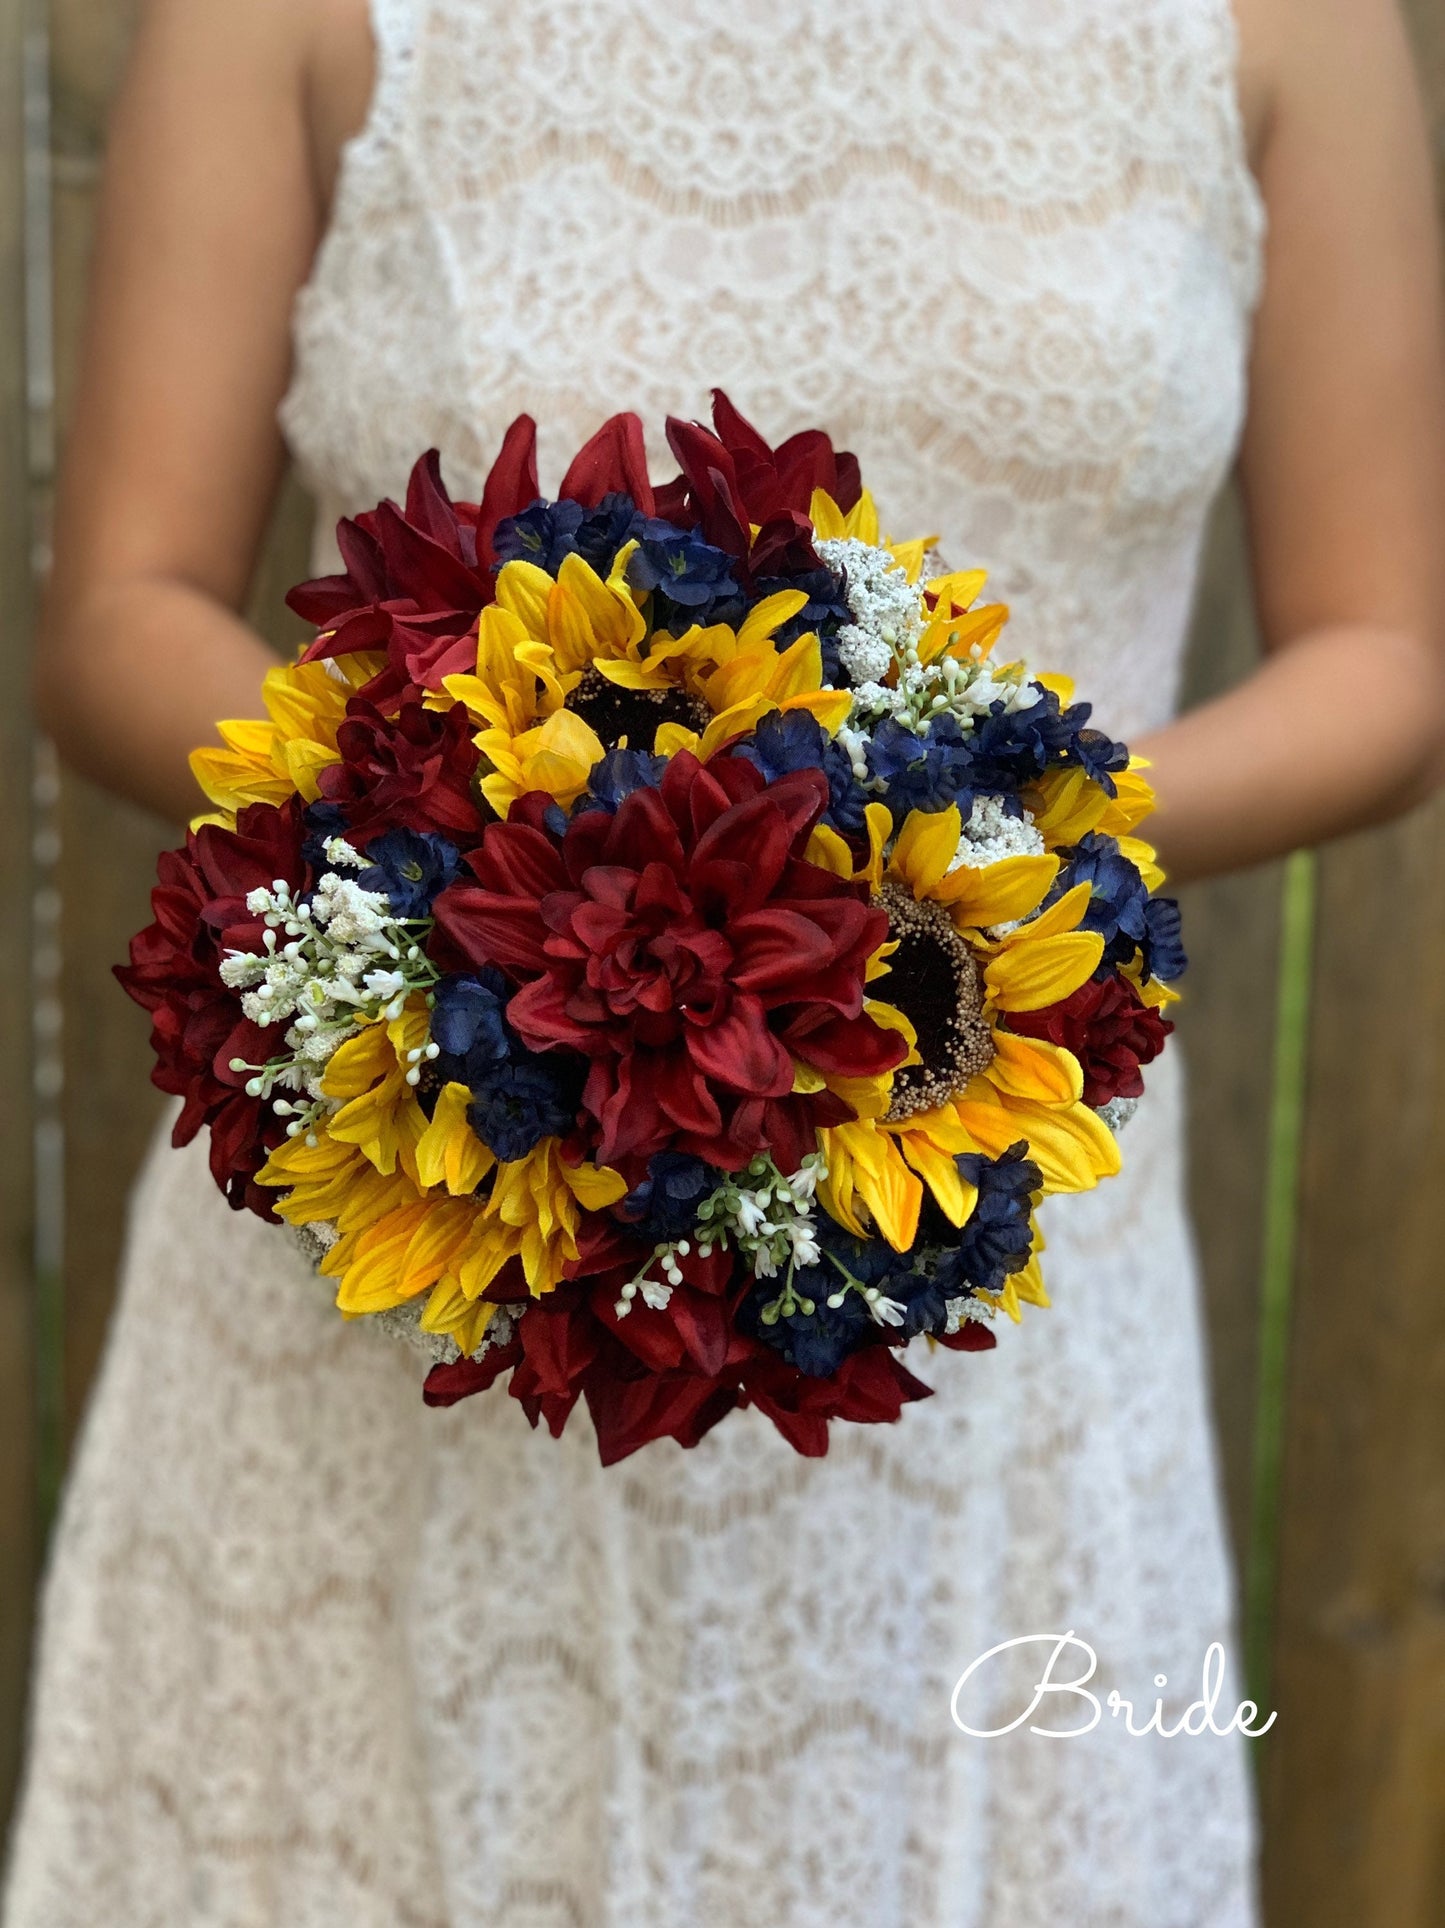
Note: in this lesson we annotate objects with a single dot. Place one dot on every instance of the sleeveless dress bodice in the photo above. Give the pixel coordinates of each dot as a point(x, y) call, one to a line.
point(314, 1655)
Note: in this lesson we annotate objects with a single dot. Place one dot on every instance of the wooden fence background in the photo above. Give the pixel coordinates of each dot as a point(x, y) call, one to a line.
point(1317, 1186)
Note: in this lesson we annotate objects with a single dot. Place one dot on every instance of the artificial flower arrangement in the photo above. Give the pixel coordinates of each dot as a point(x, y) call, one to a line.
point(651, 949)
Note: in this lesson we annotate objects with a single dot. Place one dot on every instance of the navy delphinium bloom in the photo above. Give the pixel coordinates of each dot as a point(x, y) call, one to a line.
point(467, 1020)
point(323, 822)
point(545, 533)
point(998, 1237)
point(1097, 755)
point(1163, 952)
point(825, 612)
point(816, 1342)
point(1131, 922)
point(1011, 748)
point(1118, 906)
point(873, 1262)
point(787, 740)
point(924, 1302)
point(663, 1207)
point(691, 579)
point(928, 771)
point(618, 774)
point(603, 530)
point(1014, 747)
point(521, 1101)
point(411, 867)
point(519, 1097)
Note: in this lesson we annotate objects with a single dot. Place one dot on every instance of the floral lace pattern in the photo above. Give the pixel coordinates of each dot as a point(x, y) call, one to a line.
point(315, 1655)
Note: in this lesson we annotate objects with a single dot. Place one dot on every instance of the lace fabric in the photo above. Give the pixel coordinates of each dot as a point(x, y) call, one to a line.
point(315, 1655)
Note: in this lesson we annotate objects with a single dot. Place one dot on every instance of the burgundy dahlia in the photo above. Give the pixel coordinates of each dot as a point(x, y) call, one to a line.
point(410, 771)
point(415, 579)
point(687, 948)
point(198, 1027)
point(1109, 1029)
point(733, 478)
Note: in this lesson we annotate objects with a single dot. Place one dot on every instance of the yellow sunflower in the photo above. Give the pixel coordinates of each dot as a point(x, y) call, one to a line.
point(409, 1196)
point(267, 759)
point(969, 945)
point(565, 667)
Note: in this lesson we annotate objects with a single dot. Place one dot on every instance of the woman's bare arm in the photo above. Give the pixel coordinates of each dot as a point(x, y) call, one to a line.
point(1343, 464)
point(209, 218)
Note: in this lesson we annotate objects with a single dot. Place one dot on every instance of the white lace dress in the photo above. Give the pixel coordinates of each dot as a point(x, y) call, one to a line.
point(318, 1657)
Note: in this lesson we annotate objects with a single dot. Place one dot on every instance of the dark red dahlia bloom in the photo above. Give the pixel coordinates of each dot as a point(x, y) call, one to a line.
point(199, 907)
point(410, 771)
point(415, 579)
point(1109, 1029)
point(689, 950)
point(733, 479)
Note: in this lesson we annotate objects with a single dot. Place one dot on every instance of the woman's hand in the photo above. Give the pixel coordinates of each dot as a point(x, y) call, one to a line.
point(1343, 462)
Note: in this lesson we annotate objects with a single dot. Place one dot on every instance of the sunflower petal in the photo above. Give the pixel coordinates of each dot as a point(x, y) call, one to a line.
point(954, 1195)
point(449, 1152)
point(1034, 1068)
point(1072, 1147)
point(927, 844)
point(764, 618)
point(828, 851)
point(997, 893)
point(1026, 977)
point(593, 1186)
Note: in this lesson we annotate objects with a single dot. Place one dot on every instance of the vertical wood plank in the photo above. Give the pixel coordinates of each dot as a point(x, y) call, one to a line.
point(17, 1406)
point(1355, 1775)
point(1226, 1026)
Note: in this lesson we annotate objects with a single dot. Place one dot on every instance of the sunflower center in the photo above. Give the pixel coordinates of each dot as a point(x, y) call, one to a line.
point(636, 715)
point(935, 983)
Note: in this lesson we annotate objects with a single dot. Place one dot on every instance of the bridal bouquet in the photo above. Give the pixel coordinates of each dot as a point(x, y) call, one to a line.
point(652, 949)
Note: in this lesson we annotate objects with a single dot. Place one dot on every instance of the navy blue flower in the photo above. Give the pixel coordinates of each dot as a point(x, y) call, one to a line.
point(1097, 755)
point(323, 821)
point(924, 1301)
point(1012, 748)
point(411, 867)
point(873, 1262)
point(467, 1019)
point(521, 1101)
point(604, 530)
point(817, 1342)
point(1163, 952)
point(1118, 907)
point(787, 740)
point(620, 773)
point(691, 580)
point(1131, 922)
point(545, 533)
point(825, 612)
point(998, 1237)
point(519, 1096)
point(927, 771)
point(663, 1207)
